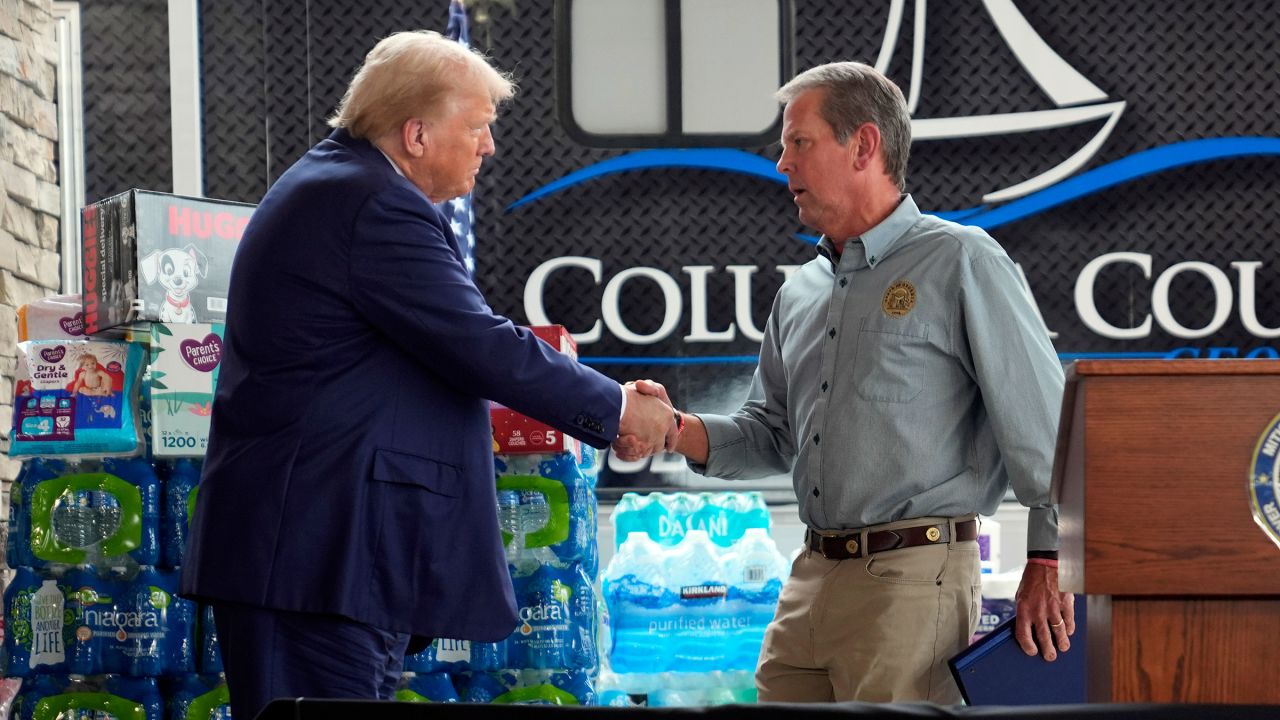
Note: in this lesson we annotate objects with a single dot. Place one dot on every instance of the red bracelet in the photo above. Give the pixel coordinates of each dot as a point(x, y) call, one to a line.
point(1043, 561)
point(679, 422)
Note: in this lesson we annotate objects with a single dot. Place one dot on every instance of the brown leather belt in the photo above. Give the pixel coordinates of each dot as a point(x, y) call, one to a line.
point(847, 547)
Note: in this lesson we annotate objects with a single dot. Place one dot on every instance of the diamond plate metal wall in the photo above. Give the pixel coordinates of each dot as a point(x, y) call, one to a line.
point(125, 56)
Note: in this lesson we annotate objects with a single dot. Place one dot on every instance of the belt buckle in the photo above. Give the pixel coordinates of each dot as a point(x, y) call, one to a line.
point(851, 546)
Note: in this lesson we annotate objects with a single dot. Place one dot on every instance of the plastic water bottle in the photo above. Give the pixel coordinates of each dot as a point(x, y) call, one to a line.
point(83, 518)
point(200, 696)
point(755, 584)
point(210, 659)
point(145, 692)
point(755, 513)
point(718, 690)
point(696, 573)
point(427, 688)
point(535, 513)
point(546, 632)
point(650, 514)
point(142, 610)
point(485, 687)
point(508, 520)
point(179, 498)
point(18, 616)
point(675, 525)
point(490, 656)
point(641, 607)
point(609, 692)
point(33, 473)
point(580, 546)
point(19, 525)
point(713, 513)
point(158, 626)
point(140, 473)
point(47, 642)
point(33, 691)
point(626, 518)
point(89, 598)
point(584, 651)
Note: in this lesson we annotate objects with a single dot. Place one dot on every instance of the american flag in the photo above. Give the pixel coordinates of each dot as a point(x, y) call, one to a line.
point(458, 211)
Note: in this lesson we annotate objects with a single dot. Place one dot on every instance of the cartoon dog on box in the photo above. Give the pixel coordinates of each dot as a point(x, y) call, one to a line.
point(178, 270)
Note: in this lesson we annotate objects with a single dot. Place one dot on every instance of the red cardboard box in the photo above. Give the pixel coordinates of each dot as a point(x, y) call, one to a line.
point(516, 434)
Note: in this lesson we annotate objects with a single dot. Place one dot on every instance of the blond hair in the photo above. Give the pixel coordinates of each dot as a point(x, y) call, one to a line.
point(410, 74)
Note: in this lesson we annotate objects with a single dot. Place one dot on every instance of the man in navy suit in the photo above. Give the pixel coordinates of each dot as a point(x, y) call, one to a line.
point(348, 505)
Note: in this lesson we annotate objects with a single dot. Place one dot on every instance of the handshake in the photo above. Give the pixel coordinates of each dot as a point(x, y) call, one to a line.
point(649, 424)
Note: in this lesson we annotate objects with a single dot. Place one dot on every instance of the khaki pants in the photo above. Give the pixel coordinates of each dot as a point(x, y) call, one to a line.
point(873, 629)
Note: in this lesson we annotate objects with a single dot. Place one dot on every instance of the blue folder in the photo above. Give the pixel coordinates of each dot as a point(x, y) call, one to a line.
point(995, 671)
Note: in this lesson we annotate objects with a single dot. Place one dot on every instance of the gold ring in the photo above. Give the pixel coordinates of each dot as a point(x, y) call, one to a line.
point(1060, 623)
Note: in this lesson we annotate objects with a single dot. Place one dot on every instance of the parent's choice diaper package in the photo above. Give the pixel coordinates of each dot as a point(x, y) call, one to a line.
point(76, 398)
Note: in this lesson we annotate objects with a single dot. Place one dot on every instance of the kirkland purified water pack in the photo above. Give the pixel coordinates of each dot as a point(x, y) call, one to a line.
point(692, 607)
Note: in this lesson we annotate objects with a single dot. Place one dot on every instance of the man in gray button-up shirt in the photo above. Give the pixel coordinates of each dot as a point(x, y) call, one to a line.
point(905, 381)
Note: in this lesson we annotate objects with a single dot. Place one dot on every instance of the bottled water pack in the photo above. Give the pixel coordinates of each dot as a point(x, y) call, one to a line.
point(693, 607)
point(113, 696)
point(668, 517)
point(136, 627)
point(559, 514)
point(90, 512)
point(530, 687)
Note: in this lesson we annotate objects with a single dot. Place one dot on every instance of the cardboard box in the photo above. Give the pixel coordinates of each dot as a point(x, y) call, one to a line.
point(157, 257)
point(516, 434)
point(185, 360)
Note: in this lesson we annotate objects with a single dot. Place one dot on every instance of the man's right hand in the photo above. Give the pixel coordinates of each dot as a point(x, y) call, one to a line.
point(645, 425)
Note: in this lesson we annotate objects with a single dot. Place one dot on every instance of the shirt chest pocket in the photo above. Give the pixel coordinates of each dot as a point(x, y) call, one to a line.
point(889, 363)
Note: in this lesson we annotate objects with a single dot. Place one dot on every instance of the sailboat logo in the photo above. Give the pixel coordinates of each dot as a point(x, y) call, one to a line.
point(1076, 99)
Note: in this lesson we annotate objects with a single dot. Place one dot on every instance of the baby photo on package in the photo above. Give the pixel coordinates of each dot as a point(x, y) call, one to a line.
point(75, 397)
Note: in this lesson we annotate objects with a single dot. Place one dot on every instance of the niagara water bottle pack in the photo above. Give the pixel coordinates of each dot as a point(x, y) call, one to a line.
point(86, 623)
point(547, 515)
point(107, 538)
point(52, 697)
point(103, 512)
point(505, 687)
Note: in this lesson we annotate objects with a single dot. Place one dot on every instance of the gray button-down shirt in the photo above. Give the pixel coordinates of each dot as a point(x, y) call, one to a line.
point(911, 378)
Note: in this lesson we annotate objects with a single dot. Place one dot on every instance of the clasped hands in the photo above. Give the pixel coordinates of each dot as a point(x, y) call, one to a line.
point(649, 423)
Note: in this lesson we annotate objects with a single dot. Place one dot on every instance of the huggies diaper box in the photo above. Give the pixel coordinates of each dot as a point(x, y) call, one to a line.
point(516, 434)
point(157, 257)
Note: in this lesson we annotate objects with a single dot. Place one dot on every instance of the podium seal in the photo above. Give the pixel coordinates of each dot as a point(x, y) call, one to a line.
point(1264, 481)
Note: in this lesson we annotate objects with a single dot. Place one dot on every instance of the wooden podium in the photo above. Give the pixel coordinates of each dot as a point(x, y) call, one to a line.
point(1157, 528)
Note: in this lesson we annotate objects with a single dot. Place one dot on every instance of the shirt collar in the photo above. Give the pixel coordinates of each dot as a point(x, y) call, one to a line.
point(878, 242)
point(394, 166)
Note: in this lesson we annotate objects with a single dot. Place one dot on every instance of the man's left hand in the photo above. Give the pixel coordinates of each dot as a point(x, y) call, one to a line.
point(1045, 612)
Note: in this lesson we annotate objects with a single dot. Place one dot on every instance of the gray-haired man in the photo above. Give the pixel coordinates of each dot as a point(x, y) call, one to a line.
point(905, 382)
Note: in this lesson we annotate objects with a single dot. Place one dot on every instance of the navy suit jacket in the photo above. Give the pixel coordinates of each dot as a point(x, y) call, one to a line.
point(350, 462)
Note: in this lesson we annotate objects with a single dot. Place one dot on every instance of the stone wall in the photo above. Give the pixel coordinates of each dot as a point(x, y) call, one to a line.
point(29, 199)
